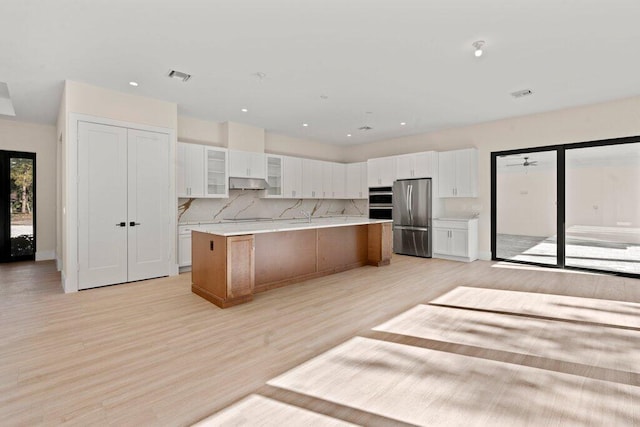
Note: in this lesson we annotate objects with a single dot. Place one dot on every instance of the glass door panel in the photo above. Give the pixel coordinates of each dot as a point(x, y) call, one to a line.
point(603, 208)
point(526, 207)
point(17, 206)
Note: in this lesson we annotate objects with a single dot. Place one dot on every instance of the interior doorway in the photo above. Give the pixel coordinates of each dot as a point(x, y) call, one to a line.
point(17, 206)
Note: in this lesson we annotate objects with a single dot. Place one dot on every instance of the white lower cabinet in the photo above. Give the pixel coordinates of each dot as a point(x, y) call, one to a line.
point(455, 239)
point(184, 246)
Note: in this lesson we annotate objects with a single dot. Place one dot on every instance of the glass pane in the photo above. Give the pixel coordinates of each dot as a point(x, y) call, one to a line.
point(21, 207)
point(526, 207)
point(603, 208)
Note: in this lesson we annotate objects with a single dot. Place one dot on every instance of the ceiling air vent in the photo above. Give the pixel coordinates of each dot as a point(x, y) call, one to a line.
point(365, 128)
point(521, 93)
point(179, 75)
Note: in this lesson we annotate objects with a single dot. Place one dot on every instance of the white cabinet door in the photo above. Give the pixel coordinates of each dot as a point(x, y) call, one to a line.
point(246, 164)
point(458, 173)
point(190, 170)
point(327, 180)
point(123, 205)
point(148, 205)
point(275, 170)
point(373, 172)
point(405, 165)
point(102, 205)
point(458, 243)
point(381, 171)
point(441, 241)
point(311, 179)
point(338, 180)
point(184, 249)
point(467, 173)
point(364, 186)
point(292, 177)
point(216, 172)
point(356, 180)
point(424, 164)
point(447, 173)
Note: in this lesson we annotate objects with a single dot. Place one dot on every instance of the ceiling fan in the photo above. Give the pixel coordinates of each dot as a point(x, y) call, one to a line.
point(526, 163)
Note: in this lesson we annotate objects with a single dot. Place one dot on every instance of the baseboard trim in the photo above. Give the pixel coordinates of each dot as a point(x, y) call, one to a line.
point(484, 256)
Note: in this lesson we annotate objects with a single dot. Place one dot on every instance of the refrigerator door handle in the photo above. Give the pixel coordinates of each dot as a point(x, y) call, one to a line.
point(410, 202)
point(405, 227)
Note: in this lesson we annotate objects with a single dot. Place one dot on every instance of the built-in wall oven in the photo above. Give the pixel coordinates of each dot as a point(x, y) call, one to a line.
point(380, 202)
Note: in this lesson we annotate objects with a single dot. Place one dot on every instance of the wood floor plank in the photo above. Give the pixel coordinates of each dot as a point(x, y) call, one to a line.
point(153, 353)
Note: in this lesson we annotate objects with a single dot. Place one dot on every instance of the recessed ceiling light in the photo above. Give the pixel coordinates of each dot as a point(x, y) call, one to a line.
point(305, 124)
point(478, 45)
point(134, 84)
point(402, 123)
point(244, 110)
point(349, 135)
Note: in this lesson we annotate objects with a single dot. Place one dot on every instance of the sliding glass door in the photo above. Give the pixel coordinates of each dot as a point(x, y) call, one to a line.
point(603, 208)
point(569, 206)
point(526, 207)
point(17, 206)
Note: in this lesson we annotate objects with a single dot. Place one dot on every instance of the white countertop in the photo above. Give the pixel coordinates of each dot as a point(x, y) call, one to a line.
point(240, 228)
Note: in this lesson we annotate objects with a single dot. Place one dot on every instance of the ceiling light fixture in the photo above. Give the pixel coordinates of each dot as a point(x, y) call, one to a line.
point(478, 45)
point(402, 123)
point(244, 110)
point(305, 124)
point(349, 135)
point(134, 84)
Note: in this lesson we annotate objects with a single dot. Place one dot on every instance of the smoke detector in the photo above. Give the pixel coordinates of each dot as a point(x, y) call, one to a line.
point(521, 93)
point(179, 75)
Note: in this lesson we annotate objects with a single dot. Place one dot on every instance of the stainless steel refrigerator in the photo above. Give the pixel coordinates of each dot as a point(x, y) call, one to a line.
point(412, 217)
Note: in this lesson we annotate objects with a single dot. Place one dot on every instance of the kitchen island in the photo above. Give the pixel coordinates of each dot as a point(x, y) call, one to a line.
point(233, 261)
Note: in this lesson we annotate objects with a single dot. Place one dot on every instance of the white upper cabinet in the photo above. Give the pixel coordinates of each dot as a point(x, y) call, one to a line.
point(246, 164)
point(292, 177)
point(275, 171)
point(327, 180)
point(381, 172)
point(458, 173)
point(356, 181)
point(312, 179)
point(415, 165)
point(216, 172)
point(190, 170)
point(338, 178)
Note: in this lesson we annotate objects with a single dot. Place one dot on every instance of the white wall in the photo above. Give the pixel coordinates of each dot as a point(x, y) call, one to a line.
point(594, 122)
point(39, 139)
point(207, 132)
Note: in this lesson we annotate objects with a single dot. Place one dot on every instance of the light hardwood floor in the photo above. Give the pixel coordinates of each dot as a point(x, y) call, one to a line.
point(153, 353)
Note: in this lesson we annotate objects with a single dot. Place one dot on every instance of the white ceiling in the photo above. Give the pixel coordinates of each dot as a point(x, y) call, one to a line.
point(403, 60)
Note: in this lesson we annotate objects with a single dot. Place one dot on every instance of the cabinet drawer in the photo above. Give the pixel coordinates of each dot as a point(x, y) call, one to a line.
point(441, 223)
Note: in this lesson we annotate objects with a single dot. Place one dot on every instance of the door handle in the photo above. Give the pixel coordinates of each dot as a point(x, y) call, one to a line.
point(121, 224)
point(133, 224)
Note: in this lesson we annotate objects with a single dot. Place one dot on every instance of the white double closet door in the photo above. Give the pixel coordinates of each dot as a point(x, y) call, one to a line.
point(123, 205)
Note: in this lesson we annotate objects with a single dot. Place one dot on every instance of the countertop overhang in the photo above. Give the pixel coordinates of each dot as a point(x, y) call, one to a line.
point(242, 228)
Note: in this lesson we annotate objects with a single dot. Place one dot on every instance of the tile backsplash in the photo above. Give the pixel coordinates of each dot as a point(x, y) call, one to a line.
point(243, 204)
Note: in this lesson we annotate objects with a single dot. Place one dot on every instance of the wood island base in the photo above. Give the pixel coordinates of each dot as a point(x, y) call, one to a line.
point(228, 270)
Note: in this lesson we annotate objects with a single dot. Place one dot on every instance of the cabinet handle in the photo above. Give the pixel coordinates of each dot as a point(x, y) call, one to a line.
point(121, 224)
point(133, 224)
